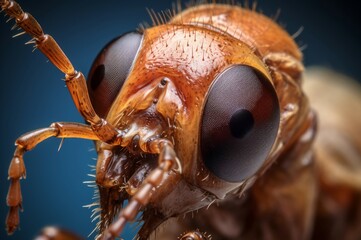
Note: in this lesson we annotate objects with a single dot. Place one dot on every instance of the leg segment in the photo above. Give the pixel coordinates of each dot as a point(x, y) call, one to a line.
point(75, 81)
point(17, 168)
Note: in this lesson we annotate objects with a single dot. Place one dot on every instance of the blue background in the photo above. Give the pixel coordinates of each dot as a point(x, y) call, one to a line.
point(33, 96)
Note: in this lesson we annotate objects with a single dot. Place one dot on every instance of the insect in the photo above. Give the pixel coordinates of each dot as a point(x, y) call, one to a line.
point(261, 73)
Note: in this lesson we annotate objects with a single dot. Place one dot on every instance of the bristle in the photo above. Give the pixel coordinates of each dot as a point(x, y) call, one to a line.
point(254, 6)
point(277, 15)
point(203, 199)
point(246, 4)
point(165, 16)
point(174, 9)
point(32, 41)
point(155, 15)
point(303, 47)
point(96, 217)
point(141, 27)
point(89, 182)
point(19, 34)
point(91, 149)
point(95, 211)
point(297, 33)
point(169, 14)
point(61, 144)
point(162, 20)
point(151, 16)
point(179, 6)
point(209, 205)
point(9, 19)
point(14, 27)
point(91, 205)
point(146, 24)
point(205, 178)
point(95, 229)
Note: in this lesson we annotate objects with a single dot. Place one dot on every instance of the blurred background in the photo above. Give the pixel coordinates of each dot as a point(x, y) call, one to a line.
point(33, 94)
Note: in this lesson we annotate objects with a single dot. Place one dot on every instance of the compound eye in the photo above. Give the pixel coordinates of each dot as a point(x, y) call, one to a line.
point(110, 69)
point(240, 122)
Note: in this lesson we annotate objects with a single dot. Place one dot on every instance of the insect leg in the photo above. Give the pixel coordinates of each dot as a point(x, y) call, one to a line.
point(167, 161)
point(17, 168)
point(75, 80)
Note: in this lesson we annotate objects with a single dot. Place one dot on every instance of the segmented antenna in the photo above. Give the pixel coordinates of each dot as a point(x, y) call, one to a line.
point(74, 79)
point(167, 161)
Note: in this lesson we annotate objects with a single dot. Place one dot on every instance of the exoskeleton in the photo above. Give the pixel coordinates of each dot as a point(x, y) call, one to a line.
point(204, 113)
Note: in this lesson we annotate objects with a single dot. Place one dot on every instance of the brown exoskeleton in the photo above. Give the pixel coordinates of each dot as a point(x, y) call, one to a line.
point(170, 108)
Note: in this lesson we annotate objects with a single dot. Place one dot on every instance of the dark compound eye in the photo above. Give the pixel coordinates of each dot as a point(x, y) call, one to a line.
point(240, 123)
point(110, 69)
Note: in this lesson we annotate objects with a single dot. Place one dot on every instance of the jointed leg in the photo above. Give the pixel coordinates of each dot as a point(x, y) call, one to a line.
point(75, 80)
point(17, 168)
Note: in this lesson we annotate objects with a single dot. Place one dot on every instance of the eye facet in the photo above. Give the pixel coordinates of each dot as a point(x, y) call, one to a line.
point(240, 123)
point(110, 69)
